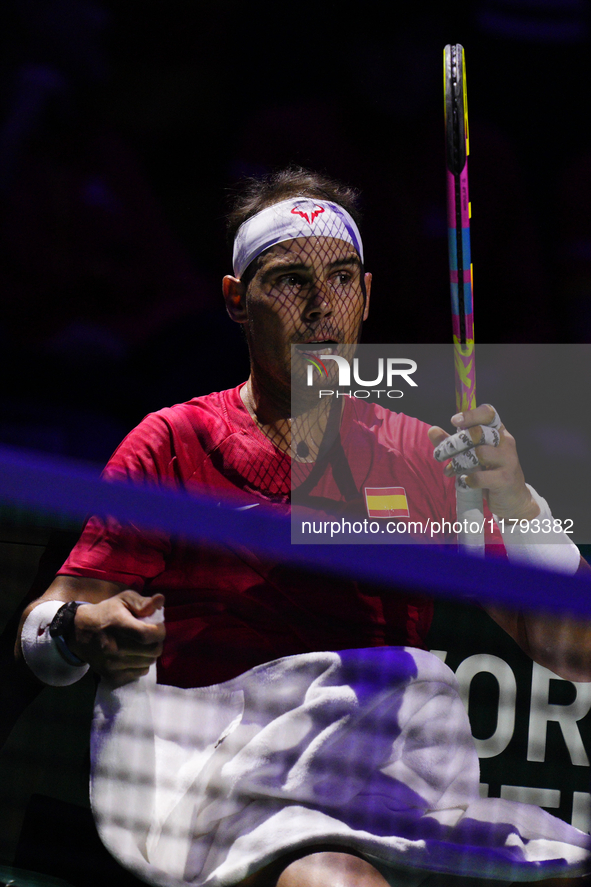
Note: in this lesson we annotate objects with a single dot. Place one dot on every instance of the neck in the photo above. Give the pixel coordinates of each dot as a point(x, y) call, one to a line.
point(299, 435)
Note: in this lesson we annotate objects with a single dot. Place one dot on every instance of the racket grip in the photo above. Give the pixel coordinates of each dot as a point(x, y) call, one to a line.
point(470, 514)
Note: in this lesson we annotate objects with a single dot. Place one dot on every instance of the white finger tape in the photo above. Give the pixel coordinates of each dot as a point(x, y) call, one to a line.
point(461, 442)
point(42, 654)
point(528, 546)
point(465, 463)
point(496, 419)
point(452, 445)
point(490, 436)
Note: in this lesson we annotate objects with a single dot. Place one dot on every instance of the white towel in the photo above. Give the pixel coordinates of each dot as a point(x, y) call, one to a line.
point(367, 749)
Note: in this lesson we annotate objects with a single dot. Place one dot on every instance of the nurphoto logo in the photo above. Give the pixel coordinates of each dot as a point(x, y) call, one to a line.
point(388, 370)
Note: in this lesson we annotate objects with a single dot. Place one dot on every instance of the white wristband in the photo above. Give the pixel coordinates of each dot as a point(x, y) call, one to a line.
point(530, 547)
point(42, 654)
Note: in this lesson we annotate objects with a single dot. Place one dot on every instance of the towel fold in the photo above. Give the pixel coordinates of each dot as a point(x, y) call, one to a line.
point(370, 750)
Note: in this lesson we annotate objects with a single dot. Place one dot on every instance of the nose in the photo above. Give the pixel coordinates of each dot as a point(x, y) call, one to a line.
point(319, 304)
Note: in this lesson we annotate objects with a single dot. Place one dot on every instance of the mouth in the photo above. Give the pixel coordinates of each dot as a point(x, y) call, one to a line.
point(317, 349)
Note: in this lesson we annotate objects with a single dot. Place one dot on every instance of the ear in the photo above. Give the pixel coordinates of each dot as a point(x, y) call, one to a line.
point(367, 280)
point(235, 298)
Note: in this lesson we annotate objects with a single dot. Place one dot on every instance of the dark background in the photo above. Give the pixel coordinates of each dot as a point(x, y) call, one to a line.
point(125, 125)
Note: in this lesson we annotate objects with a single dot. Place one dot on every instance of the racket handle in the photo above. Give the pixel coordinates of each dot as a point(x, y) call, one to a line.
point(470, 512)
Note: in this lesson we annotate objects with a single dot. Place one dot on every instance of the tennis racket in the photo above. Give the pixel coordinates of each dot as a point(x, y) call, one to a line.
point(469, 502)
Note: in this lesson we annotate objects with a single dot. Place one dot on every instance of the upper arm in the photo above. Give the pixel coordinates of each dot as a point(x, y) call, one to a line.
point(125, 555)
point(115, 551)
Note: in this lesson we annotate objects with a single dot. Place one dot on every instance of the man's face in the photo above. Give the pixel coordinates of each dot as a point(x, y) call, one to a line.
point(305, 291)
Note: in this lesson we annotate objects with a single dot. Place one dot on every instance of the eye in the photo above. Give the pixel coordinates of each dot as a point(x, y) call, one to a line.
point(290, 282)
point(342, 278)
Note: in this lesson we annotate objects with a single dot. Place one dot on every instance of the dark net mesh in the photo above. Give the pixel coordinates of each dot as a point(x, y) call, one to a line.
point(309, 293)
point(336, 741)
point(277, 743)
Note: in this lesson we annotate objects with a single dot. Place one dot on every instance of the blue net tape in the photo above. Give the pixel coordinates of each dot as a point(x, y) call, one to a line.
point(63, 488)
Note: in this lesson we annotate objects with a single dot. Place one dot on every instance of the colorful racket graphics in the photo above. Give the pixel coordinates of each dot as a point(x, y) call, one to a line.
point(458, 223)
point(468, 501)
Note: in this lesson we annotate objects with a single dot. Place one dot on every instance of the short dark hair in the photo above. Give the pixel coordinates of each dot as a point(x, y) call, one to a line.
point(254, 194)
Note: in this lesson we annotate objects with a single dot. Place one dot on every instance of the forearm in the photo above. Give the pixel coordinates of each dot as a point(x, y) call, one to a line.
point(560, 643)
point(69, 588)
point(531, 536)
point(118, 635)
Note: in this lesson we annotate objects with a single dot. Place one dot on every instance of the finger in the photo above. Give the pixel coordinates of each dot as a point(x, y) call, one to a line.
point(129, 659)
point(113, 617)
point(485, 414)
point(124, 623)
point(124, 642)
point(141, 605)
point(141, 634)
point(477, 435)
point(436, 435)
point(118, 643)
point(493, 480)
point(466, 463)
point(155, 618)
point(485, 458)
point(152, 605)
point(120, 678)
point(478, 480)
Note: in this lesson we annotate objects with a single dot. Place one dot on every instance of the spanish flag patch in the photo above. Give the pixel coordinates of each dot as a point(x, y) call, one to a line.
point(386, 502)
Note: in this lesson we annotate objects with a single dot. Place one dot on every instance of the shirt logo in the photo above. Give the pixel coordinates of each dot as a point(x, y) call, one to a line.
point(386, 502)
point(309, 216)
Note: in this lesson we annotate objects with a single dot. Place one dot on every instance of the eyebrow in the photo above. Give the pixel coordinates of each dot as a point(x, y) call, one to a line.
point(349, 260)
point(287, 267)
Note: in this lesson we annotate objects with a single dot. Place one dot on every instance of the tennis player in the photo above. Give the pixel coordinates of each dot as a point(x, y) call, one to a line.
point(299, 278)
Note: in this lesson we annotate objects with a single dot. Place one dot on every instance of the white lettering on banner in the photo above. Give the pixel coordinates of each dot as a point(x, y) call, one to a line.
point(542, 711)
point(441, 654)
point(467, 670)
point(526, 794)
point(581, 817)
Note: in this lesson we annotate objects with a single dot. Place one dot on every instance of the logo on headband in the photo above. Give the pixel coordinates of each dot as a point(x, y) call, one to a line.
point(314, 211)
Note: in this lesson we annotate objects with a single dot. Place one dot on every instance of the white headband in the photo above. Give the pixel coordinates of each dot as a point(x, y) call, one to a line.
point(289, 219)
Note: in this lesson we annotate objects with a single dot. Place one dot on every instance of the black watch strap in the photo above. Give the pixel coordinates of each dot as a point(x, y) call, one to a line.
point(61, 628)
